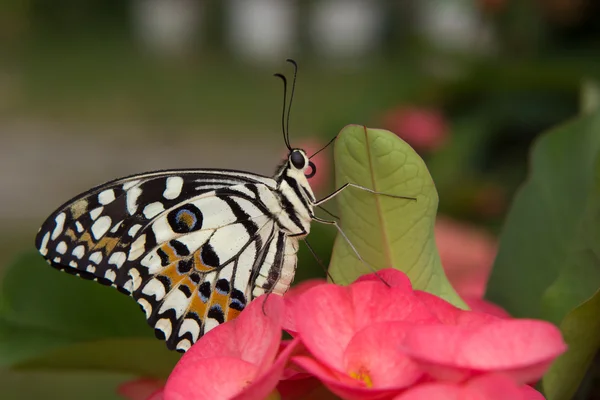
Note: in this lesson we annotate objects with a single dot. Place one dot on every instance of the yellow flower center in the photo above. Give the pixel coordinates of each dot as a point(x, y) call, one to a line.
point(362, 375)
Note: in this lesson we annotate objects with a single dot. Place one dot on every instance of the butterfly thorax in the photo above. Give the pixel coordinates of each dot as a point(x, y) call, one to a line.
point(296, 199)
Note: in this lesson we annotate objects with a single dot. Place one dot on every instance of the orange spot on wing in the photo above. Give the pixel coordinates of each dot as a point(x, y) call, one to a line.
point(199, 265)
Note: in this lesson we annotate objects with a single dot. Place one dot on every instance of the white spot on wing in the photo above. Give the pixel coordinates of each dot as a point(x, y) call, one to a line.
point(78, 226)
point(155, 288)
point(79, 251)
point(136, 279)
point(61, 247)
point(146, 306)
point(60, 223)
point(91, 269)
point(95, 213)
point(153, 209)
point(96, 257)
point(177, 301)
point(73, 263)
point(134, 229)
point(44, 244)
point(128, 185)
point(110, 274)
point(116, 227)
point(209, 324)
point(56, 260)
point(132, 197)
point(184, 345)
point(191, 326)
point(101, 226)
point(173, 187)
point(137, 248)
point(164, 324)
point(106, 197)
point(117, 258)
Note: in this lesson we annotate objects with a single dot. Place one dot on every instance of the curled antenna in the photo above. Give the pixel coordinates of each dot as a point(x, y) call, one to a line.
point(291, 96)
point(283, 130)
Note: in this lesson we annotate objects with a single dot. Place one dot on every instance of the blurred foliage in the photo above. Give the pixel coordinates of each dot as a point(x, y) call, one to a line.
point(79, 62)
point(547, 266)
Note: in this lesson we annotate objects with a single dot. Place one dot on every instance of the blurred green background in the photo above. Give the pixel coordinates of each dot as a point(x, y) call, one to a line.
point(95, 89)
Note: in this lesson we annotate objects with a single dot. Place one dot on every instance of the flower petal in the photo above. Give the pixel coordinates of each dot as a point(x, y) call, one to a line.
point(486, 387)
point(210, 378)
point(344, 386)
point(375, 302)
point(374, 353)
point(523, 349)
point(265, 383)
point(253, 337)
point(451, 315)
point(391, 276)
point(325, 322)
point(291, 297)
point(140, 389)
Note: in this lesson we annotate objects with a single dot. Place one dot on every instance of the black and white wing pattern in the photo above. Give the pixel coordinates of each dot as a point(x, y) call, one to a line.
point(192, 247)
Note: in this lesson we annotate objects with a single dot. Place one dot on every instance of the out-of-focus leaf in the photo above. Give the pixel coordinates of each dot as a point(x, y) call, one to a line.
point(143, 357)
point(386, 232)
point(72, 385)
point(53, 320)
point(581, 330)
point(36, 295)
point(549, 258)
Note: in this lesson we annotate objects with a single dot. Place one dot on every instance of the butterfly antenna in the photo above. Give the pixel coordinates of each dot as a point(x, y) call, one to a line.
point(291, 95)
point(324, 147)
point(283, 130)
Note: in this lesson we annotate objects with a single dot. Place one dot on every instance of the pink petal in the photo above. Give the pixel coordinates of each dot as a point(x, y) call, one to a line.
point(467, 254)
point(487, 307)
point(375, 302)
point(391, 276)
point(375, 353)
point(140, 389)
point(327, 316)
point(210, 378)
point(265, 384)
point(486, 387)
point(158, 395)
point(304, 389)
point(530, 393)
point(345, 387)
point(451, 315)
point(291, 297)
point(523, 349)
point(253, 336)
point(325, 322)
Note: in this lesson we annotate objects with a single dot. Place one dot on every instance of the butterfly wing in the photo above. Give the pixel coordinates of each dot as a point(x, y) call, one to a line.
point(192, 247)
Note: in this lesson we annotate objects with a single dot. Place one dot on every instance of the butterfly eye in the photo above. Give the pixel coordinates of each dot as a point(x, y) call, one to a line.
point(313, 170)
point(297, 159)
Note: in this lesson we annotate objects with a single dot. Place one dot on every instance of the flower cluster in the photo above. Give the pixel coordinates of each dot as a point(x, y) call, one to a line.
point(374, 339)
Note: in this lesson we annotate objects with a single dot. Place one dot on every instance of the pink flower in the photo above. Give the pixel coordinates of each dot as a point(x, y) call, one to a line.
point(485, 387)
point(142, 389)
point(422, 128)
point(467, 254)
point(237, 360)
point(370, 341)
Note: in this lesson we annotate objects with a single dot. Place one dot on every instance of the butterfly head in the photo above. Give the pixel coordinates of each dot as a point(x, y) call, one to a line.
point(299, 161)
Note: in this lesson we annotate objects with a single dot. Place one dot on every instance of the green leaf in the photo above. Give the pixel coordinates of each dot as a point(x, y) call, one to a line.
point(143, 357)
point(50, 319)
point(387, 232)
point(548, 263)
point(72, 385)
point(581, 330)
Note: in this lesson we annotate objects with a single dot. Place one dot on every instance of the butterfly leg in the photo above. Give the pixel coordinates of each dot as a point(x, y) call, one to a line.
point(319, 261)
point(366, 189)
point(337, 226)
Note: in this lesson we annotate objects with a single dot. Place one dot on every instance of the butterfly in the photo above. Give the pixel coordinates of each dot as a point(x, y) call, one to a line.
point(192, 247)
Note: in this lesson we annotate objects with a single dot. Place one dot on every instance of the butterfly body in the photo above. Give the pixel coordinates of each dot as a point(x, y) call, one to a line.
point(192, 247)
